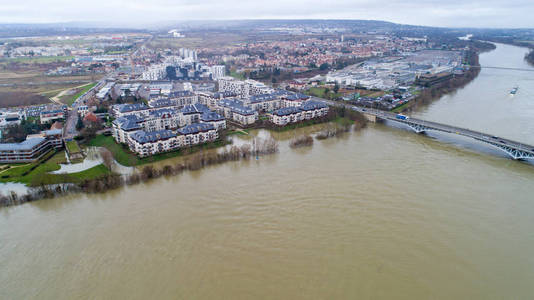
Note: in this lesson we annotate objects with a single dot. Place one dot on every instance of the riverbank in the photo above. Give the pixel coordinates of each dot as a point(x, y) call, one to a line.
point(39, 173)
point(100, 178)
point(428, 95)
point(529, 57)
point(125, 157)
point(109, 180)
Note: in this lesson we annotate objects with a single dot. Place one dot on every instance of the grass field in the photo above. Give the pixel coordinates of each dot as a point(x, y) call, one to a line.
point(236, 75)
point(69, 99)
point(73, 147)
point(125, 157)
point(40, 173)
point(36, 59)
point(321, 93)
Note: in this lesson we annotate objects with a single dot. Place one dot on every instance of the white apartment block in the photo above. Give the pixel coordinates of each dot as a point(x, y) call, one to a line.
point(218, 71)
point(155, 72)
point(243, 89)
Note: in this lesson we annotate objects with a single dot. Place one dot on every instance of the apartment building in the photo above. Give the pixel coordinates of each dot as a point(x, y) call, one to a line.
point(48, 116)
point(124, 126)
point(198, 133)
point(145, 143)
point(308, 110)
point(294, 100)
point(243, 89)
point(218, 121)
point(121, 110)
point(31, 149)
point(263, 102)
point(217, 71)
point(235, 110)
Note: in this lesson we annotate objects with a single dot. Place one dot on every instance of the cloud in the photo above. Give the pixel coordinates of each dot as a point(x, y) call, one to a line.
point(477, 13)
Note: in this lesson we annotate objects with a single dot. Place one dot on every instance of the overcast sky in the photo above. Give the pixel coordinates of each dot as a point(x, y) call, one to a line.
point(449, 13)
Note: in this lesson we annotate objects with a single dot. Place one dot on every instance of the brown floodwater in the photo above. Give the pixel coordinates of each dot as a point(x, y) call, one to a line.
point(377, 214)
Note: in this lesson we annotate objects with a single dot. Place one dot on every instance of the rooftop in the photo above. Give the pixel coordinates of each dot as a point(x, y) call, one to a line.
point(312, 104)
point(211, 117)
point(196, 128)
point(194, 109)
point(28, 144)
point(236, 106)
point(142, 136)
point(128, 107)
point(287, 111)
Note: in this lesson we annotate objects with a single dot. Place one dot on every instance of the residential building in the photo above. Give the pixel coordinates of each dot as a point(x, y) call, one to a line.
point(10, 119)
point(198, 133)
point(31, 149)
point(124, 126)
point(213, 118)
point(308, 110)
point(218, 71)
point(243, 88)
point(235, 110)
point(263, 102)
point(145, 143)
point(51, 115)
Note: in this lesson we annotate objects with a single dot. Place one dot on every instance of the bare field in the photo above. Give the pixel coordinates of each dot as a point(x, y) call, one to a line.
point(200, 40)
point(12, 99)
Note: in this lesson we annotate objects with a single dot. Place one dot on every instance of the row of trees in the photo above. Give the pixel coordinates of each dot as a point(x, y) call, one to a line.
point(18, 133)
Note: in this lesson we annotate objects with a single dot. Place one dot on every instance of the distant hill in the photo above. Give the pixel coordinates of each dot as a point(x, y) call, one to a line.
point(51, 29)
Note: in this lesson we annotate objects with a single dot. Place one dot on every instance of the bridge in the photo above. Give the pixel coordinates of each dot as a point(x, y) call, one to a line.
point(516, 150)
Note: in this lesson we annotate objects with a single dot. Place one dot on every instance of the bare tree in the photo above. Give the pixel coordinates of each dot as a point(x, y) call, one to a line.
point(107, 157)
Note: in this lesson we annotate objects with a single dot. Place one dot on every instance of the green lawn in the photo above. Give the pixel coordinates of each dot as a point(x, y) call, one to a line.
point(236, 75)
point(73, 147)
point(40, 173)
point(125, 157)
point(120, 152)
point(71, 98)
point(321, 93)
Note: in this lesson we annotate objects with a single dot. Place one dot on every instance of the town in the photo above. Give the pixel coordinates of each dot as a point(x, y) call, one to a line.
point(153, 97)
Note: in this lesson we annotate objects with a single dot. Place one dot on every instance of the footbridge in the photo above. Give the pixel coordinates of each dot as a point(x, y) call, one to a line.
point(516, 150)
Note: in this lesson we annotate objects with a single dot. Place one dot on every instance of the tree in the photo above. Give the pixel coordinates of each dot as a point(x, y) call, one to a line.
point(324, 66)
point(79, 124)
point(336, 88)
point(107, 158)
point(127, 94)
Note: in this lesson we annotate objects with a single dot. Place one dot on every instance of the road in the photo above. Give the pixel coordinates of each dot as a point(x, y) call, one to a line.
point(69, 130)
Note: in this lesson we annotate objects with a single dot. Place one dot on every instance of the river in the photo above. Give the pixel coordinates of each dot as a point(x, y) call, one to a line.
point(377, 214)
